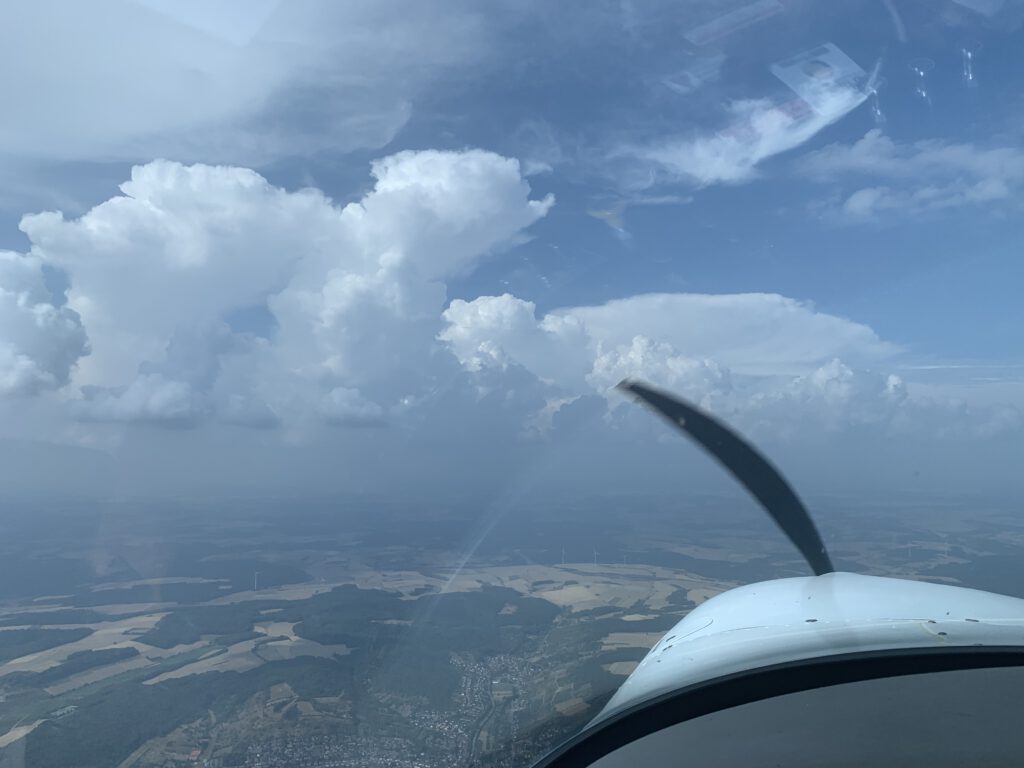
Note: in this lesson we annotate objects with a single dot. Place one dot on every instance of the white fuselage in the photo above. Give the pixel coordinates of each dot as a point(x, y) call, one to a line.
point(801, 618)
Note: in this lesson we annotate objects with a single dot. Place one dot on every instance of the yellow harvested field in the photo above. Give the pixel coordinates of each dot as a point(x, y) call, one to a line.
point(18, 732)
point(405, 582)
point(574, 586)
point(237, 658)
point(698, 596)
point(95, 675)
point(601, 592)
point(279, 691)
point(571, 707)
point(623, 668)
point(574, 596)
point(252, 653)
point(661, 591)
point(114, 634)
point(741, 554)
point(287, 592)
point(116, 609)
point(618, 640)
point(279, 650)
point(155, 582)
point(277, 629)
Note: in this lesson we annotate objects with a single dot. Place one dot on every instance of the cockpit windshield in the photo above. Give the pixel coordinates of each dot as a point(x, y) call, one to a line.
point(312, 316)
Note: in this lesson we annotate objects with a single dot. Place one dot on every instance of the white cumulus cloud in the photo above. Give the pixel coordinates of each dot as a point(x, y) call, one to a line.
point(40, 342)
point(658, 362)
point(181, 246)
point(371, 319)
point(771, 364)
point(752, 334)
point(357, 329)
point(347, 407)
point(503, 330)
point(149, 398)
point(354, 293)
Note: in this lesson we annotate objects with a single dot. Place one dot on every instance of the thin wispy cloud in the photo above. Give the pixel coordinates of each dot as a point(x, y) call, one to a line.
point(878, 176)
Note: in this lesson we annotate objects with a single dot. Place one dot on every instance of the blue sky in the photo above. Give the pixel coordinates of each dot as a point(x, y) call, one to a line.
point(298, 235)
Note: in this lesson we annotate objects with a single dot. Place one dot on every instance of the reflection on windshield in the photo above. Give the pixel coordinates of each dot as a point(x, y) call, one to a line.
point(311, 317)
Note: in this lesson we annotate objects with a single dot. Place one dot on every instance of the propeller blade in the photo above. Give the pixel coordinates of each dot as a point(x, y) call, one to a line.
point(747, 465)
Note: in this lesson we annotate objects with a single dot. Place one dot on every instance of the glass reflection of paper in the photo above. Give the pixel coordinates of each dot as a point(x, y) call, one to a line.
point(737, 17)
point(817, 75)
point(688, 80)
point(984, 7)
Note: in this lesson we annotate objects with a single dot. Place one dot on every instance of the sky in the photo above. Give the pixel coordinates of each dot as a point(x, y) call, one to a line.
point(396, 249)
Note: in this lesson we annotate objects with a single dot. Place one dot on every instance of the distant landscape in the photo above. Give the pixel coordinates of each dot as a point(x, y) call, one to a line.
point(366, 635)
